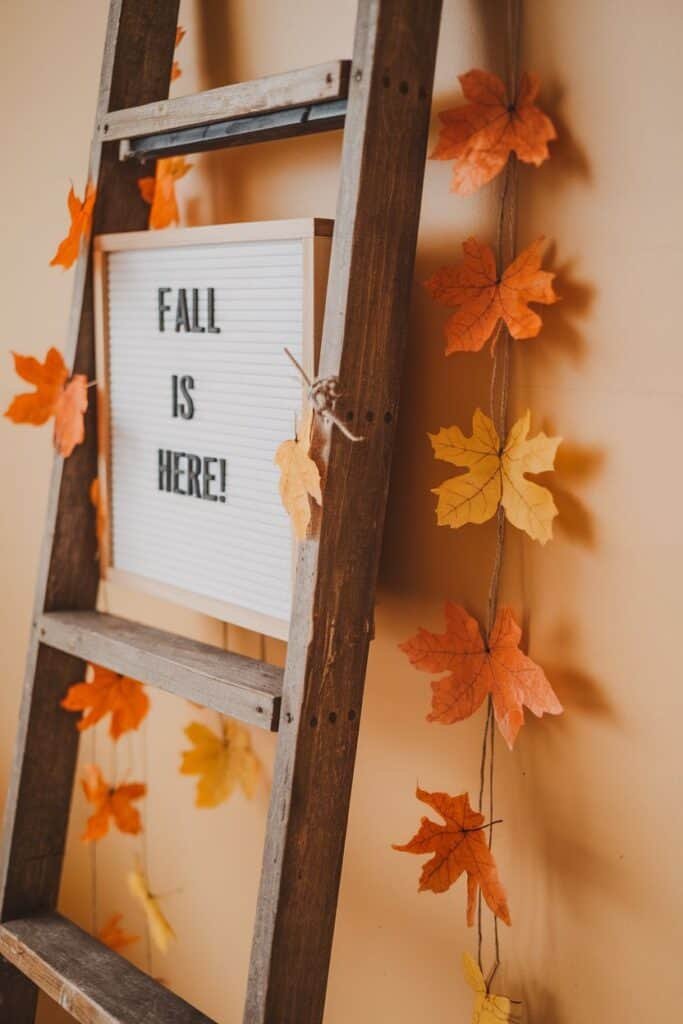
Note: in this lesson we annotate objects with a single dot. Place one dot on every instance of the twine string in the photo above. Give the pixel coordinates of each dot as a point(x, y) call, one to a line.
point(323, 394)
point(93, 850)
point(143, 843)
point(499, 401)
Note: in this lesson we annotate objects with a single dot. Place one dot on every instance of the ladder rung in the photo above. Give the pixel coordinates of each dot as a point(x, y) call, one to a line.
point(321, 83)
point(283, 124)
point(230, 683)
point(88, 980)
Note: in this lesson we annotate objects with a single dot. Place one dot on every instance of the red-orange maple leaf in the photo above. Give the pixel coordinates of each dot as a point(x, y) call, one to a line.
point(52, 397)
point(480, 136)
point(485, 298)
point(108, 693)
point(113, 935)
point(458, 846)
point(159, 191)
point(111, 802)
point(476, 669)
point(81, 217)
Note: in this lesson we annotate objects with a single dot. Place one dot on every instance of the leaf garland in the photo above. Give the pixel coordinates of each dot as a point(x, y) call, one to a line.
point(480, 136)
point(160, 930)
point(159, 191)
point(176, 70)
point(110, 802)
point(111, 934)
point(488, 1008)
point(80, 213)
point(485, 298)
point(54, 396)
point(490, 301)
point(299, 477)
point(459, 847)
point(496, 476)
point(221, 762)
point(108, 693)
point(477, 668)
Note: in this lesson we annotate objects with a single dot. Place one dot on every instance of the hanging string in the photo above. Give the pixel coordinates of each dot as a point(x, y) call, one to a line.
point(94, 917)
point(499, 401)
point(143, 843)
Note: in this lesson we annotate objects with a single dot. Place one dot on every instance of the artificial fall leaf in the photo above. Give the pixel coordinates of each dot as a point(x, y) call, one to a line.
point(69, 416)
point(81, 218)
point(159, 928)
point(485, 299)
point(221, 762)
point(113, 935)
point(100, 513)
point(458, 846)
point(299, 478)
point(176, 70)
point(53, 396)
point(159, 191)
point(480, 136)
point(488, 1008)
point(496, 475)
point(111, 802)
point(108, 693)
point(477, 669)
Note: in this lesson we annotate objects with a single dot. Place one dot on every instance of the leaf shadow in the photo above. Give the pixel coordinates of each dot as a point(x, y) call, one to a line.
point(560, 333)
point(578, 691)
point(568, 157)
point(539, 1004)
point(574, 464)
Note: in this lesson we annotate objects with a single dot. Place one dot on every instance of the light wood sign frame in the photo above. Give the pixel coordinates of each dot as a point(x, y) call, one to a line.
point(231, 557)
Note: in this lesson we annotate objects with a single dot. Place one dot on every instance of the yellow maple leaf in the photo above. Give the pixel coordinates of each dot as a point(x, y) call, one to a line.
point(299, 477)
point(220, 762)
point(496, 474)
point(159, 928)
point(488, 1009)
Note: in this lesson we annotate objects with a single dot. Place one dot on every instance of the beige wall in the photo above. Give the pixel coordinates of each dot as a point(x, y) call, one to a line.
point(591, 845)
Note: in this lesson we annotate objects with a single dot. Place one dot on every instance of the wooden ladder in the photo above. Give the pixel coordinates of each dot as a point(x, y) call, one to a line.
point(382, 98)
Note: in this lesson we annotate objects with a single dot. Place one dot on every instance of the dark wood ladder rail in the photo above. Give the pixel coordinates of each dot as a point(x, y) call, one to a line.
point(382, 97)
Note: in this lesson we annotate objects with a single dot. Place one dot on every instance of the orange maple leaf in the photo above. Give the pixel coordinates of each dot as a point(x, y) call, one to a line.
point(159, 191)
point(112, 934)
point(109, 692)
point(176, 70)
point(480, 136)
point(476, 669)
point(111, 802)
point(69, 415)
point(485, 298)
point(81, 218)
point(458, 846)
point(52, 397)
point(100, 514)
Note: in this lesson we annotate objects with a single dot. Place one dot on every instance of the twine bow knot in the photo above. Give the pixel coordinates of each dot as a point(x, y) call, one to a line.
point(323, 394)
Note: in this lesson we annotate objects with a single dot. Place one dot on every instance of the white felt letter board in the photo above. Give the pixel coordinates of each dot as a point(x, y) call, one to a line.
point(196, 394)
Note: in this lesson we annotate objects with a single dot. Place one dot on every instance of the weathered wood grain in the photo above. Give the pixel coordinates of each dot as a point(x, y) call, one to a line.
point(229, 683)
point(136, 69)
point(240, 131)
point(316, 84)
point(89, 981)
point(364, 337)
